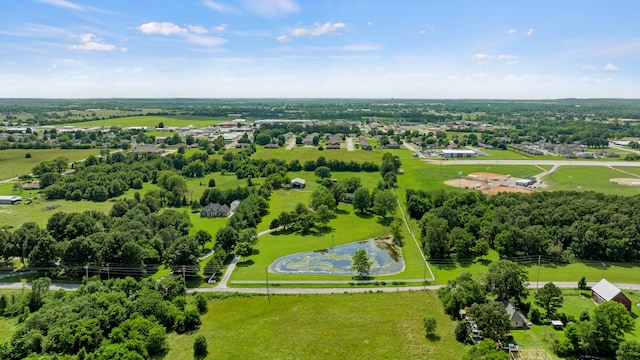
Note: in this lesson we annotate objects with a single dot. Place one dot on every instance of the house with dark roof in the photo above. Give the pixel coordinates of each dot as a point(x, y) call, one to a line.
point(605, 291)
point(215, 211)
point(517, 319)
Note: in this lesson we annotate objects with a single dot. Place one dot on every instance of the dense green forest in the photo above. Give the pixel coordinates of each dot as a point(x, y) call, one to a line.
point(564, 225)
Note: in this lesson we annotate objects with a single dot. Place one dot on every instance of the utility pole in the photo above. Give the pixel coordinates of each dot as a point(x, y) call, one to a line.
point(538, 281)
point(86, 268)
point(108, 274)
point(266, 270)
point(424, 277)
point(603, 266)
point(184, 275)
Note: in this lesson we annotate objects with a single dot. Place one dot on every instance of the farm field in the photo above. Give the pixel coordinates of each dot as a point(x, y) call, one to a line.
point(13, 162)
point(361, 326)
point(152, 121)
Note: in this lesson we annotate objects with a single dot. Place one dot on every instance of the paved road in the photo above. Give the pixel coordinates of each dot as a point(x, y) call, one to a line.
point(227, 274)
point(291, 144)
point(536, 162)
point(350, 146)
point(281, 290)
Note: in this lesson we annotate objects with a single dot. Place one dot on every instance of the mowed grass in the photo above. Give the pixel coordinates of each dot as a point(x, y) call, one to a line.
point(337, 326)
point(303, 154)
point(16, 215)
point(593, 178)
point(13, 162)
point(152, 121)
point(513, 155)
point(593, 271)
point(346, 227)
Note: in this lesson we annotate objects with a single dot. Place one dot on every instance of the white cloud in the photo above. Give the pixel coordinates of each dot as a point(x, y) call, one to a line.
point(192, 33)
point(90, 42)
point(362, 47)
point(369, 23)
point(317, 29)
point(588, 68)
point(220, 28)
point(197, 29)
point(137, 69)
point(531, 31)
point(271, 8)
point(63, 4)
point(610, 67)
point(484, 59)
point(283, 38)
point(211, 41)
point(221, 8)
point(511, 31)
point(164, 28)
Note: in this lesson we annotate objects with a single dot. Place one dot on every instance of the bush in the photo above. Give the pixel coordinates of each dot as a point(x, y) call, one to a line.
point(461, 331)
point(212, 183)
point(27, 156)
point(201, 303)
point(200, 346)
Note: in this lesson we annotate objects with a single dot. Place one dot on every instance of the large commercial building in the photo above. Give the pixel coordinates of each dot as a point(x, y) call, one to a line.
point(464, 154)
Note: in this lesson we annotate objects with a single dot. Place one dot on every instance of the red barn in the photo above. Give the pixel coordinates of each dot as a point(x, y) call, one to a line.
point(606, 291)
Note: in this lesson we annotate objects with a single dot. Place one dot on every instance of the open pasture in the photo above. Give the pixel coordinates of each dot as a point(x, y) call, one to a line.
point(338, 326)
point(303, 154)
point(13, 162)
point(152, 121)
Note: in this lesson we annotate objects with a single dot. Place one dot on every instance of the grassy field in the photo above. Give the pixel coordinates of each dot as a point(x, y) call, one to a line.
point(594, 178)
point(303, 154)
point(338, 326)
point(152, 121)
point(13, 163)
point(17, 215)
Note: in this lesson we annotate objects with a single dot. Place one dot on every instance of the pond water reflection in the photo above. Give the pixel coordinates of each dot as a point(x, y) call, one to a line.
point(386, 259)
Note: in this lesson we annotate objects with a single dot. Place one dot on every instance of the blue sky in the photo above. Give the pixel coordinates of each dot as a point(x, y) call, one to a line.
point(319, 49)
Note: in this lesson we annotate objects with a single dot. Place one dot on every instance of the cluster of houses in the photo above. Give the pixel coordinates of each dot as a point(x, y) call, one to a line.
point(572, 151)
point(601, 292)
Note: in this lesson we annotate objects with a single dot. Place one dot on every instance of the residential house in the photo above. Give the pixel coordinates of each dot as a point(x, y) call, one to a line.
point(517, 319)
point(215, 211)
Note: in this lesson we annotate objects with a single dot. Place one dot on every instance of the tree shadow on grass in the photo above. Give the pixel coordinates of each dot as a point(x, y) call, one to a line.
point(288, 231)
point(321, 231)
point(255, 252)
point(341, 212)
point(246, 263)
point(363, 215)
point(433, 337)
point(385, 221)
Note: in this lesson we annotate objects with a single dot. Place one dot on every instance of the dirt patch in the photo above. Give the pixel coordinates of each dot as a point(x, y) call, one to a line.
point(499, 189)
point(486, 176)
point(466, 183)
point(626, 181)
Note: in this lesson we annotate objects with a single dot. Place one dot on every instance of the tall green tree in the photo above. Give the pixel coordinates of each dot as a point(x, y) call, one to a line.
point(628, 350)
point(361, 263)
point(361, 200)
point(507, 280)
point(435, 237)
point(384, 202)
point(549, 298)
point(492, 319)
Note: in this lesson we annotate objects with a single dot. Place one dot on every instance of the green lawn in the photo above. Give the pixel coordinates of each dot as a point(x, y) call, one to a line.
point(13, 162)
point(513, 155)
point(594, 178)
point(152, 121)
point(303, 154)
point(338, 326)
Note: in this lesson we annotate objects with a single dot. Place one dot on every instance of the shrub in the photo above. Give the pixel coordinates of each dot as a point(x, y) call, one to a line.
point(200, 346)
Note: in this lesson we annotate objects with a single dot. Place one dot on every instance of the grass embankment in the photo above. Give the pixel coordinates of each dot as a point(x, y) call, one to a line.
point(13, 162)
point(338, 326)
point(153, 121)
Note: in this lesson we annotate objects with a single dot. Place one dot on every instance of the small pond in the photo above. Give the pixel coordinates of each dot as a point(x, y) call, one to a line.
point(386, 259)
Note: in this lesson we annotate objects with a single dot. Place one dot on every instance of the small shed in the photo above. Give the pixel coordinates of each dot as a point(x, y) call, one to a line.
point(298, 183)
point(557, 324)
point(31, 186)
point(605, 291)
point(517, 319)
point(234, 204)
point(10, 200)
